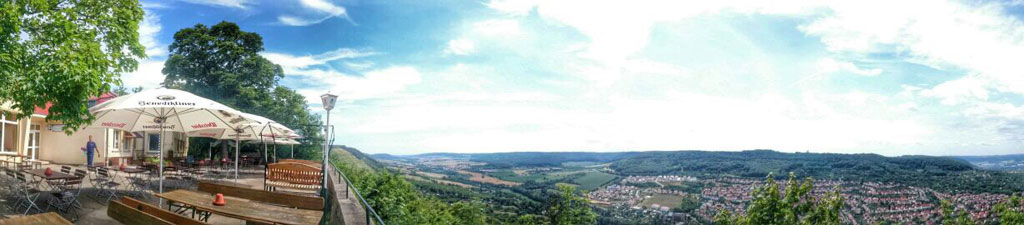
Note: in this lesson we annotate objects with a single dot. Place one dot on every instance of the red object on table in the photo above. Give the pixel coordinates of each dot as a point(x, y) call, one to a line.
point(122, 167)
point(48, 172)
point(219, 200)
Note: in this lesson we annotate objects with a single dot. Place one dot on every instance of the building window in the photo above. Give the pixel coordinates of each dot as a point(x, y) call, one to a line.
point(154, 143)
point(8, 132)
point(116, 143)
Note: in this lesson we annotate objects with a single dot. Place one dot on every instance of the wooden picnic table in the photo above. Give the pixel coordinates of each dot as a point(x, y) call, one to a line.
point(50, 218)
point(57, 175)
point(244, 209)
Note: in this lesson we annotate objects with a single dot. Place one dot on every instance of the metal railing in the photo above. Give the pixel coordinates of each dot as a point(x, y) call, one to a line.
point(375, 219)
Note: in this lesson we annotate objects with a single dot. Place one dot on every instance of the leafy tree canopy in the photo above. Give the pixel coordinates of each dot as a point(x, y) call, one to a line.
point(795, 207)
point(569, 208)
point(64, 51)
point(222, 63)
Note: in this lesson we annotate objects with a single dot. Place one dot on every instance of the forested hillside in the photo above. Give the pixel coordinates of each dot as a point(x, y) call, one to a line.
point(924, 171)
point(955, 173)
point(997, 162)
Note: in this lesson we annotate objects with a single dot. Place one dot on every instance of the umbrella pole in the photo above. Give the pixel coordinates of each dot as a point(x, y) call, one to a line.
point(236, 157)
point(293, 151)
point(161, 149)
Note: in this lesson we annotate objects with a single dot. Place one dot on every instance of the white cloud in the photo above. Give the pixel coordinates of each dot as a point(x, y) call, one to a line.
point(979, 38)
point(296, 21)
point(241, 4)
point(497, 27)
point(373, 84)
point(321, 10)
point(286, 60)
point(148, 30)
point(491, 122)
point(460, 47)
point(323, 6)
point(964, 90)
point(312, 70)
point(148, 75)
point(513, 7)
point(830, 65)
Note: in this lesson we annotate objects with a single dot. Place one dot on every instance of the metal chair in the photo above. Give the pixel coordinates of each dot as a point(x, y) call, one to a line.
point(65, 169)
point(27, 193)
point(109, 186)
point(66, 200)
point(8, 181)
point(96, 180)
point(25, 165)
point(138, 183)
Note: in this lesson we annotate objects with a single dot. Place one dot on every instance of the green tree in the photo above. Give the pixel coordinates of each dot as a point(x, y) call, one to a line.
point(1010, 212)
point(530, 219)
point(397, 201)
point(469, 213)
point(569, 208)
point(951, 217)
point(64, 51)
point(222, 63)
point(769, 206)
point(121, 90)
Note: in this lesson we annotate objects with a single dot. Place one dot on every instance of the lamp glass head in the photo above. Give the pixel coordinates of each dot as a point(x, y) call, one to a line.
point(328, 100)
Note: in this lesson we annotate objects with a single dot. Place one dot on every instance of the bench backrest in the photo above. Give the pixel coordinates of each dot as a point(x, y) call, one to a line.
point(277, 198)
point(294, 175)
point(307, 162)
point(128, 215)
point(133, 211)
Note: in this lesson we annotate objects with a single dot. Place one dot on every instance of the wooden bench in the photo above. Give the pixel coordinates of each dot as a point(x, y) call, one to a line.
point(276, 198)
point(293, 175)
point(131, 211)
point(306, 162)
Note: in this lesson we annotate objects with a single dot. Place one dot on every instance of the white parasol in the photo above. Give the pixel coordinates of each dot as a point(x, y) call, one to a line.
point(253, 128)
point(164, 110)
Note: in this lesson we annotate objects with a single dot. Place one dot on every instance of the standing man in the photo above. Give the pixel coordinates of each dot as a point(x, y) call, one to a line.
point(90, 149)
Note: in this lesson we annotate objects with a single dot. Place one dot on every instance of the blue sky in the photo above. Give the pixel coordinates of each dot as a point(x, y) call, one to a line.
point(416, 76)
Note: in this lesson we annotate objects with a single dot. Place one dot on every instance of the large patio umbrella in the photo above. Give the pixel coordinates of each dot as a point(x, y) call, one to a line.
point(164, 110)
point(238, 133)
point(270, 129)
point(283, 141)
point(253, 127)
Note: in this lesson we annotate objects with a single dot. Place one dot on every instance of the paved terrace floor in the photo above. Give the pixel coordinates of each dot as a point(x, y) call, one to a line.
point(95, 210)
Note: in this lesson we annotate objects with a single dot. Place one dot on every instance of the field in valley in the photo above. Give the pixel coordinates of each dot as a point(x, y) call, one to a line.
point(672, 201)
point(478, 177)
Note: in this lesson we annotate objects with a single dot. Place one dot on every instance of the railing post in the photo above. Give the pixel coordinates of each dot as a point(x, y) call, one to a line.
point(366, 208)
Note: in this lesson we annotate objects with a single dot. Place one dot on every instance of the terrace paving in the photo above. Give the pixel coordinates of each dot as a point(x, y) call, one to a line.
point(95, 213)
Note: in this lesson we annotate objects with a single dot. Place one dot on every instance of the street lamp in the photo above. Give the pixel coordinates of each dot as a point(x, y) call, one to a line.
point(328, 101)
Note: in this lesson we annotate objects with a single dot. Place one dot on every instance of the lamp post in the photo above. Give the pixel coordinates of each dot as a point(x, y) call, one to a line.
point(328, 101)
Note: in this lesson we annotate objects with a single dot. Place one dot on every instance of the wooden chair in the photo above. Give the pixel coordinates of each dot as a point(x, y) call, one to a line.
point(294, 175)
point(131, 211)
point(276, 198)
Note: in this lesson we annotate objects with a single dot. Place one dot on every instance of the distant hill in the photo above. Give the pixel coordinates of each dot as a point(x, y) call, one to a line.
point(1014, 162)
point(942, 173)
point(511, 159)
point(385, 156)
point(357, 158)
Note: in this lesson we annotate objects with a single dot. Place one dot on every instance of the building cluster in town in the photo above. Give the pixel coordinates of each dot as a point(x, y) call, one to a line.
point(658, 179)
point(866, 202)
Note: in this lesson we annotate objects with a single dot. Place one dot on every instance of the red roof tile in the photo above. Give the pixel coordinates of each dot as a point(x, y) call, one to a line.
point(102, 98)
